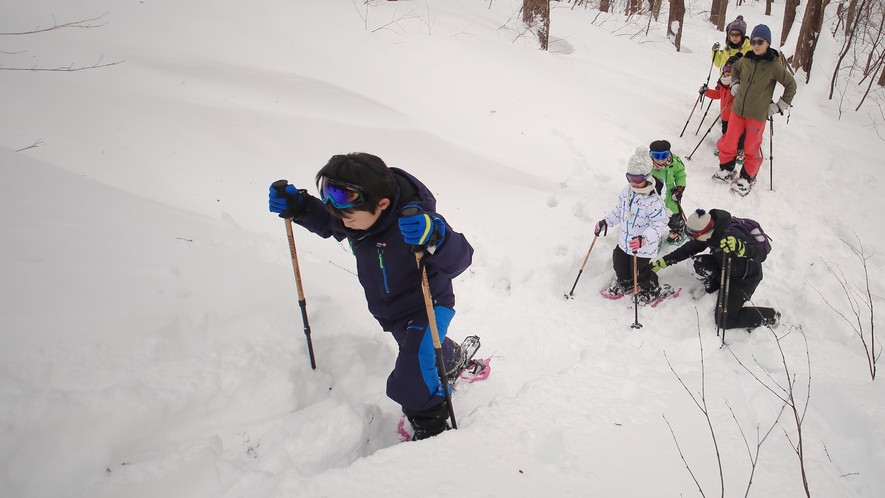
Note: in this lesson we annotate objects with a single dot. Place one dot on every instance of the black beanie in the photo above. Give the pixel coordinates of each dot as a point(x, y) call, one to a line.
point(659, 146)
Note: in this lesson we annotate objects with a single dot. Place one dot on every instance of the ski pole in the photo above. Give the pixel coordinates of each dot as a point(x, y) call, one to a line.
point(709, 73)
point(431, 318)
point(709, 129)
point(690, 114)
point(725, 303)
point(636, 324)
point(704, 118)
point(771, 153)
point(280, 187)
point(720, 324)
point(571, 294)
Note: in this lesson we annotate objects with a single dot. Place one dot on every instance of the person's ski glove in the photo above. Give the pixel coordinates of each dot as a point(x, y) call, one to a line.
point(677, 193)
point(636, 242)
point(778, 108)
point(731, 245)
point(658, 264)
point(703, 89)
point(600, 226)
point(734, 88)
point(421, 229)
point(287, 200)
point(716, 46)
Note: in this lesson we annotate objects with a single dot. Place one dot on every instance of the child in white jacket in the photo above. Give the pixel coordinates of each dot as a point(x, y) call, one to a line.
point(643, 219)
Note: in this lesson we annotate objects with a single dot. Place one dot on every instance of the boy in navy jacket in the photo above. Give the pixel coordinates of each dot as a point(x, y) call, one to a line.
point(362, 200)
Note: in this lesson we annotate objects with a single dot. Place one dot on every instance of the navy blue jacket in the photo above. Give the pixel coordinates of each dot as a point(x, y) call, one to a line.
point(386, 265)
point(746, 267)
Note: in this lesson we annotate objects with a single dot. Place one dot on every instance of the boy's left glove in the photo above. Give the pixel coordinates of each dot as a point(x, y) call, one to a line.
point(731, 245)
point(677, 193)
point(421, 229)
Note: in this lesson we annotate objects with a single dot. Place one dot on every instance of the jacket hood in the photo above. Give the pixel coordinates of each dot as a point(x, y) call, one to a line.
point(769, 55)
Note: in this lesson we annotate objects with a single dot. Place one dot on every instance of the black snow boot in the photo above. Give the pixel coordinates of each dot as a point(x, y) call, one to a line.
point(430, 422)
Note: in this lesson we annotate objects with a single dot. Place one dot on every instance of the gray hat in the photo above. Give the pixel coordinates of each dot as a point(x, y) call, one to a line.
point(699, 225)
point(639, 163)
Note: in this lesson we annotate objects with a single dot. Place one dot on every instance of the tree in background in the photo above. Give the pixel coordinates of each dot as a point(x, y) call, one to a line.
point(789, 19)
point(536, 14)
point(717, 13)
point(677, 15)
point(808, 36)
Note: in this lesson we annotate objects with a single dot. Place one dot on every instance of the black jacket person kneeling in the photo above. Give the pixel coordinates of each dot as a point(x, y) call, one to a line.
point(728, 240)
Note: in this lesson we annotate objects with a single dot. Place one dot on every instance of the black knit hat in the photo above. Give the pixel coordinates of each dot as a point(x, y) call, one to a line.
point(659, 146)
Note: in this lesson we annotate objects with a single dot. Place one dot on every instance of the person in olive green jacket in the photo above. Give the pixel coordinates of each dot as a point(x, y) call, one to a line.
point(736, 42)
point(754, 78)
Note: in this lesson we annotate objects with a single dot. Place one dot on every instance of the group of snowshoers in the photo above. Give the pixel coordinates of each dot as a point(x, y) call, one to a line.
point(387, 216)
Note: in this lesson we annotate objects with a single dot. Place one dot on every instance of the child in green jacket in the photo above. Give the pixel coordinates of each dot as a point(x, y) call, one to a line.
point(669, 174)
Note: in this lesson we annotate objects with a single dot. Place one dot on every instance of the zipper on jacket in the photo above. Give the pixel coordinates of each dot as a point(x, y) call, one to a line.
point(380, 246)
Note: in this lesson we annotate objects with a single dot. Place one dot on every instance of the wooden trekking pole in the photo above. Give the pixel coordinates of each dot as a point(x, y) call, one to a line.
point(280, 187)
point(571, 294)
point(636, 324)
point(431, 318)
point(690, 114)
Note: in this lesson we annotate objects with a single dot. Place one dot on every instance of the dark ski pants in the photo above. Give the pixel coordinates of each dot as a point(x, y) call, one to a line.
point(623, 265)
point(414, 382)
point(708, 270)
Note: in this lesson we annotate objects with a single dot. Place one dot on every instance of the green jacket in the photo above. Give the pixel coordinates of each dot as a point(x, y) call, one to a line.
point(721, 56)
point(758, 75)
point(670, 176)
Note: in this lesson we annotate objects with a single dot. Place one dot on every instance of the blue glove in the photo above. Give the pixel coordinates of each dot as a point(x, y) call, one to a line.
point(420, 228)
point(732, 245)
point(286, 200)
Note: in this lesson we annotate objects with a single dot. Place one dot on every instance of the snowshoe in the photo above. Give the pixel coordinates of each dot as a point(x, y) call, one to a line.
point(613, 291)
point(743, 186)
point(463, 358)
point(724, 175)
point(675, 238)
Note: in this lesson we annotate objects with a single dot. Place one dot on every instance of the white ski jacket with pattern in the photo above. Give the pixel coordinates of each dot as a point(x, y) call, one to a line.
point(639, 213)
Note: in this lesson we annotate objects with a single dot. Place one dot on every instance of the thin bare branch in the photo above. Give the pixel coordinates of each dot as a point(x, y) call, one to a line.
point(82, 24)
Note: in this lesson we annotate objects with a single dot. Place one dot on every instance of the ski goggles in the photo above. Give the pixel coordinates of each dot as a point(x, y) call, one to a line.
point(340, 194)
point(660, 156)
point(636, 179)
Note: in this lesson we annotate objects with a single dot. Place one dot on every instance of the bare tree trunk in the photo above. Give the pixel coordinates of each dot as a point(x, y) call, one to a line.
point(881, 81)
point(717, 13)
point(633, 7)
point(808, 36)
point(789, 19)
point(604, 5)
point(849, 18)
point(768, 7)
point(656, 10)
point(677, 16)
point(537, 13)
